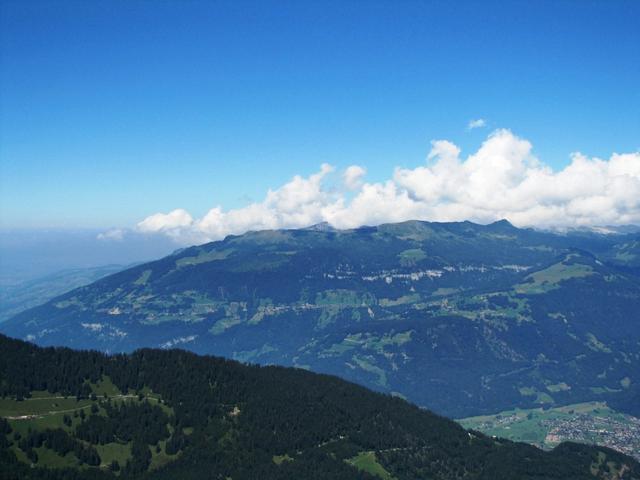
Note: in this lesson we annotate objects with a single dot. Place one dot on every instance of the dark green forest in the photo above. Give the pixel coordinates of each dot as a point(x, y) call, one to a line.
point(220, 419)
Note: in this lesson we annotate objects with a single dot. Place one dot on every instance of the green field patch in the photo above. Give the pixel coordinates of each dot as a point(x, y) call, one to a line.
point(52, 411)
point(367, 363)
point(42, 394)
point(627, 252)
point(257, 317)
point(51, 421)
point(527, 391)
point(337, 349)
point(328, 315)
point(543, 397)
point(20, 455)
point(549, 278)
point(367, 462)
point(120, 452)
point(368, 341)
point(603, 390)
point(51, 459)
point(143, 278)
point(484, 308)
point(161, 458)
point(204, 257)
point(280, 459)
point(45, 410)
point(250, 355)
point(71, 302)
point(225, 324)
point(558, 387)
point(265, 308)
point(10, 408)
point(403, 300)
point(442, 291)
point(105, 386)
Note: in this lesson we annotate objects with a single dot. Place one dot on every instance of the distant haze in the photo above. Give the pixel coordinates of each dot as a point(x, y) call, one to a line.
point(27, 254)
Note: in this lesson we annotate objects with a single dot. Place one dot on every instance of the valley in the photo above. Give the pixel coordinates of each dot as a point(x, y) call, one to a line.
point(319, 240)
point(591, 423)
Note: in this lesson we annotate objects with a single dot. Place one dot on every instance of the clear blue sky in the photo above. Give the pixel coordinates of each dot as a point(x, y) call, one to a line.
point(114, 110)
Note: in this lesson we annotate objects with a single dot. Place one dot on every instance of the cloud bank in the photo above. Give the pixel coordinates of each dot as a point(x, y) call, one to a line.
point(503, 179)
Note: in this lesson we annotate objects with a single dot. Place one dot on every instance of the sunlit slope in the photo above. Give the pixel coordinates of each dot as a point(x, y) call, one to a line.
point(459, 317)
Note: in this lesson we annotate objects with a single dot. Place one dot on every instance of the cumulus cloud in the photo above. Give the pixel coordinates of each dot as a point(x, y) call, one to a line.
point(477, 123)
point(297, 203)
point(352, 176)
point(177, 218)
point(502, 179)
point(177, 224)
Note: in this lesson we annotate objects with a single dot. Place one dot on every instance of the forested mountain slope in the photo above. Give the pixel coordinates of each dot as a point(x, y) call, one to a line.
point(458, 317)
point(172, 414)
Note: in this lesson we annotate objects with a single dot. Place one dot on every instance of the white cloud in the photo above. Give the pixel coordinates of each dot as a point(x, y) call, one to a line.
point(177, 218)
point(115, 234)
point(178, 224)
point(502, 179)
point(298, 203)
point(352, 176)
point(477, 123)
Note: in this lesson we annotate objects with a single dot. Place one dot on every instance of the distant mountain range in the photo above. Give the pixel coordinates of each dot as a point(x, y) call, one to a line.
point(156, 415)
point(458, 317)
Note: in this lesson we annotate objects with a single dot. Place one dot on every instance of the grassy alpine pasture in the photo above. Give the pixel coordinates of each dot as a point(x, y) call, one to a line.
point(367, 462)
point(44, 411)
point(549, 278)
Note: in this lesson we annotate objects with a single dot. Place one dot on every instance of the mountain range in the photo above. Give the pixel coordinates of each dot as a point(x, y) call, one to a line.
point(460, 318)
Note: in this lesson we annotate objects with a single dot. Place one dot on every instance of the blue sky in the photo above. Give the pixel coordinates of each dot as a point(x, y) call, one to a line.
point(112, 111)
